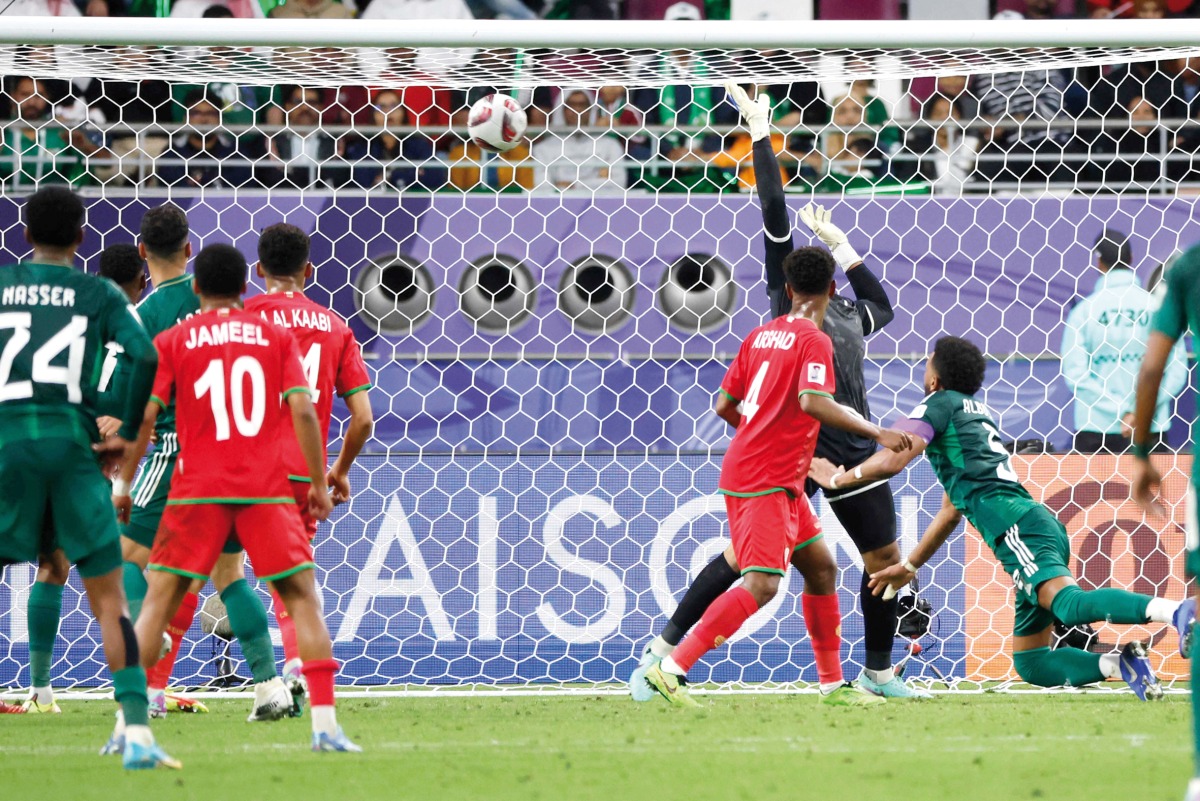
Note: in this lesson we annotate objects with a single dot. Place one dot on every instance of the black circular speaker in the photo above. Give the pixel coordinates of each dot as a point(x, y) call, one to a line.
point(597, 293)
point(697, 293)
point(497, 293)
point(395, 294)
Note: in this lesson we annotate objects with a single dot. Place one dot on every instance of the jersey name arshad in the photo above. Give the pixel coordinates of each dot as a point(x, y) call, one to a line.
point(779, 340)
point(38, 295)
point(224, 333)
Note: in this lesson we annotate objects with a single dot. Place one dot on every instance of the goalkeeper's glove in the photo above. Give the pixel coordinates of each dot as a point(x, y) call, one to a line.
point(757, 113)
point(817, 219)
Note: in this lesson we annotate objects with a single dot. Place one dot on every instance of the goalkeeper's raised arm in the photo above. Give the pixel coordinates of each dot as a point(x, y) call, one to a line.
point(872, 303)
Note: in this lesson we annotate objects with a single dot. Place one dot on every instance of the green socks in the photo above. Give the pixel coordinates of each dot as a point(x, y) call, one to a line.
point(248, 619)
point(44, 611)
point(1046, 668)
point(134, 579)
point(129, 688)
point(1075, 607)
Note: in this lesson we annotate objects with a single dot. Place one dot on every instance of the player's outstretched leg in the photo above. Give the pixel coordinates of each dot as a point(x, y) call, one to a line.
point(248, 619)
point(140, 751)
point(299, 594)
point(720, 622)
point(716, 577)
point(159, 675)
point(44, 613)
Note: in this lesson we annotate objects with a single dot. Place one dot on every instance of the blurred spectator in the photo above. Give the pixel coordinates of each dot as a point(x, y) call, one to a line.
point(1134, 156)
point(393, 159)
point(569, 158)
point(1019, 145)
point(947, 151)
point(582, 9)
point(425, 105)
point(242, 9)
point(536, 102)
point(1142, 9)
point(311, 9)
point(38, 149)
point(41, 8)
point(616, 111)
point(874, 114)
point(303, 151)
point(1104, 341)
point(205, 154)
point(101, 8)
point(429, 58)
point(502, 9)
point(737, 154)
point(473, 170)
point(1157, 82)
point(1041, 9)
point(239, 104)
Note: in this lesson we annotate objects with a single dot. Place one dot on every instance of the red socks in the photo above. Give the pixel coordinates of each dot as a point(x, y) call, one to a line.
point(320, 674)
point(158, 676)
point(720, 622)
point(823, 617)
point(287, 628)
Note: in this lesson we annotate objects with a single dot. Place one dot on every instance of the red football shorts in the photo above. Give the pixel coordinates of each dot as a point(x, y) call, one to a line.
point(300, 490)
point(767, 528)
point(190, 538)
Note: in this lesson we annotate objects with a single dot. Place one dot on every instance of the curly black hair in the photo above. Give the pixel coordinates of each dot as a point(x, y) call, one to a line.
point(221, 271)
point(121, 264)
point(809, 270)
point(283, 250)
point(54, 217)
point(960, 364)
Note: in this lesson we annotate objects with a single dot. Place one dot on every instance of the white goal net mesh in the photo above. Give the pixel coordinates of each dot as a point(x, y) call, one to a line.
point(547, 327)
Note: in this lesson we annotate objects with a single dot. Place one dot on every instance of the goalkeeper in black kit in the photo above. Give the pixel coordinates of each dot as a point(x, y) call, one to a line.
point(867, 513)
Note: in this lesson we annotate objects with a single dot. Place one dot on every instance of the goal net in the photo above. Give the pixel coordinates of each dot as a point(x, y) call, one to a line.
point(547, 327)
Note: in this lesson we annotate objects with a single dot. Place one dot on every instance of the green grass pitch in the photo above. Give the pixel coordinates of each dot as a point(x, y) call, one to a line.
point(990, 746)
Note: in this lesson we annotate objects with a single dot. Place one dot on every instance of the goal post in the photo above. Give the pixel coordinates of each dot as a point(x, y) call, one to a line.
point(546, 328)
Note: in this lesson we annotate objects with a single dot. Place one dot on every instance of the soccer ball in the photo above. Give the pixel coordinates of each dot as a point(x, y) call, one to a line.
point(496, 123)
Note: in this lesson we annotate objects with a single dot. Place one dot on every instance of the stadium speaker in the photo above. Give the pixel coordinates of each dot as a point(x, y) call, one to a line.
point(497, 293)
point(697, 293)
point(597, 293)
point(394, 294)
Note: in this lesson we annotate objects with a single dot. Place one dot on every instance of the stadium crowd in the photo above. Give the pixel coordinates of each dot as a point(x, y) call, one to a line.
point(1133, 126)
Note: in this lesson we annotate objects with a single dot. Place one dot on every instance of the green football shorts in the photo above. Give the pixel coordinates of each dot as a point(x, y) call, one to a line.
point(1192, 534)
point(1032, 552)
point(53, 495)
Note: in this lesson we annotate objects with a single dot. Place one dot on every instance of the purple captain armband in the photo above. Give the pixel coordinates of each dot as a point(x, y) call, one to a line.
point(918, 427)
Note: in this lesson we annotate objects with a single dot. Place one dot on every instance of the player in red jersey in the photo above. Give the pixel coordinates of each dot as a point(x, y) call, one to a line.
point(777, 393)
point(333, 363)
point(226, 370)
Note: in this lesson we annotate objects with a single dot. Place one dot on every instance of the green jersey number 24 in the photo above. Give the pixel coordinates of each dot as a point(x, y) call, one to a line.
point(70, 339)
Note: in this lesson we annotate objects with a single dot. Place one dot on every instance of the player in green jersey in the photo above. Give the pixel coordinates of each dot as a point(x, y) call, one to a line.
point(54, 321)
point(959, 435)
point(1179, 313)
point(122, 265)
point(166, 247)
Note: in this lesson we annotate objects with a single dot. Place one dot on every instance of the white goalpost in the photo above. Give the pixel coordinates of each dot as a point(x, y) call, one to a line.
point(546, 327)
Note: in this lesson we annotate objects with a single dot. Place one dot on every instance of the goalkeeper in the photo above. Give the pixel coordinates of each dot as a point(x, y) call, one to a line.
point(867, 513)
point(961, 438)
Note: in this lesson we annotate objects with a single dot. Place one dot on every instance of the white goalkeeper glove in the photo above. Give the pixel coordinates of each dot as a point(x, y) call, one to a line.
point(817, 219)
point(757, 113)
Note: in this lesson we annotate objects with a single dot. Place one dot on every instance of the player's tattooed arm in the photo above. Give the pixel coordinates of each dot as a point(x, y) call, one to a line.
point(939, 530)
point(829, 412)
point(358, 431)
point(882, 465)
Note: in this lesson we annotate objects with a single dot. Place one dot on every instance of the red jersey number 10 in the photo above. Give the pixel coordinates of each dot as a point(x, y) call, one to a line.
point(212, 383)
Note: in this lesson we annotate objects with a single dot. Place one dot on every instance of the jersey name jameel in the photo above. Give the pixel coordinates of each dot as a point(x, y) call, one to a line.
point(225, 333)
point(38, 295)
point(972, 406)
point(301, 318)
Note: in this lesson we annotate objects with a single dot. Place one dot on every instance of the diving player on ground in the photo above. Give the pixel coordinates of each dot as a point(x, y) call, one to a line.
point(226, 369)
point(868, 515)
point(777, 393)
point(332, 363)
point(958, 434)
